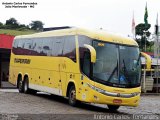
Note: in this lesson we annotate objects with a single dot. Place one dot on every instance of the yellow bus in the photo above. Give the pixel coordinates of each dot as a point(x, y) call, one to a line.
point(80, 64)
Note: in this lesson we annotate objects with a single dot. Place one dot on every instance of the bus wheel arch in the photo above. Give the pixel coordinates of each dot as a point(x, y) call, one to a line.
point(71, 94)
point(26, 88)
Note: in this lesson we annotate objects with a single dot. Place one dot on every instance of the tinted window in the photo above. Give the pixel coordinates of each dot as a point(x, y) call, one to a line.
point(15, 43)
point(105, 70)
point(84, 40)
point(47, 46)
point(70, 48)
point(20, 43)
point(37, 46)
point(86, 64)
point(58, 43)
point(18, 46)
point(130, 66)
point(28, 43)
point(84, 59)
point(51, 46)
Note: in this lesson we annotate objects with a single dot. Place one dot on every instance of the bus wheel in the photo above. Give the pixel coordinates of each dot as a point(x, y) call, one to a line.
point(113, 107)
point(25, 85)
point(20, 85)
point(72, 96)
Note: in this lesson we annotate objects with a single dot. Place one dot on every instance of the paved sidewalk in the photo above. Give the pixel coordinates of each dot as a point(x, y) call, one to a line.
point(7, 85)
point(9, 90)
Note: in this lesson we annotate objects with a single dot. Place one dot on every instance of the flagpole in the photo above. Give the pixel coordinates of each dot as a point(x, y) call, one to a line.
point(157, 49)
point(157, 70)
point(146, 23)
point(133, 27)
point(145, 37)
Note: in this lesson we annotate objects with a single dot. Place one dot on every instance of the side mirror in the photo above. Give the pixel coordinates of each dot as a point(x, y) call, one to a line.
point(92, 51)
point(148, 60)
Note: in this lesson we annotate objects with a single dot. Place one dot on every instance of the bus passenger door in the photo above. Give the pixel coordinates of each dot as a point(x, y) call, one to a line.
point(57, 51)
point(63, 75)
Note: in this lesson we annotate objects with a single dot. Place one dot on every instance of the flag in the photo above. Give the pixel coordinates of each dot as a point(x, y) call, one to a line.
point(146, 15)
point(133, 26)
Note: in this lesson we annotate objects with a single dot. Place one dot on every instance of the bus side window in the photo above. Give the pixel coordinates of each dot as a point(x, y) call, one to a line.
point(20, 43)
point(20, 47)
point(69, 49)
point(84, 54)
point(37, 46)
point(86, 63)
point(15, 45)
point(47, 46)
point(58, 43)
point(27, 46)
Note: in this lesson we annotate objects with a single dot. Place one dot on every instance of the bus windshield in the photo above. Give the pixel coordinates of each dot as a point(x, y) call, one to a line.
point(117, 65)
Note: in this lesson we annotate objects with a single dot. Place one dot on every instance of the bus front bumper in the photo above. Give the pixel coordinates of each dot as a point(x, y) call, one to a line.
point(103, 99)
point(110, 98)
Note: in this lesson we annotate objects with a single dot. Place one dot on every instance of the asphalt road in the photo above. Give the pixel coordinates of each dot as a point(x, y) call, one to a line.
point(14, 103)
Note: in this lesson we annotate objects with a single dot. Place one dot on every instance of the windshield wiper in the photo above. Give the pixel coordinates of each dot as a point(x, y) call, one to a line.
point(124, 75)
point(114, 70)
point(124, 68)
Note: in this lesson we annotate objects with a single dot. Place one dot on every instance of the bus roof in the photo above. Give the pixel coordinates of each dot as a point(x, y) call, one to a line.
point(95, 34)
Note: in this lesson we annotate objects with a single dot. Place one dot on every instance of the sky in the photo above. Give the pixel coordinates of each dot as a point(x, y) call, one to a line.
point(111, 15)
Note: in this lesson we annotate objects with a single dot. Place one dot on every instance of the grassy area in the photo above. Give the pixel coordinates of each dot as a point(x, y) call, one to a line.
point(16, 32)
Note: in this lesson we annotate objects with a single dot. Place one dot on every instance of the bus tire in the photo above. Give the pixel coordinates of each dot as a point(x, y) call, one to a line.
point(20, 85)
point(72, 96)
point(113, 107)
point(25, 85)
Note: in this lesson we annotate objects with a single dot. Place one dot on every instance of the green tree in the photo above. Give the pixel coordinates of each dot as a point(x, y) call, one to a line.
point(1, 25)
point(142, 35)
point(12, 23)
point(37, 25)
point(23, 27)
